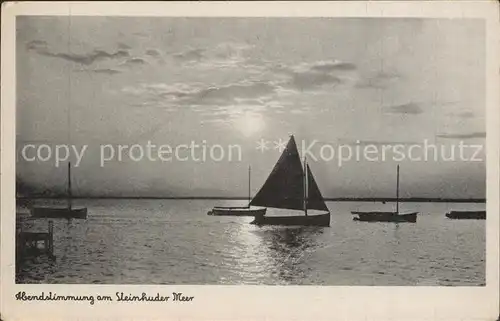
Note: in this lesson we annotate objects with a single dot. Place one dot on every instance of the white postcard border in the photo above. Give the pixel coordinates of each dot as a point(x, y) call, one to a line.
point(255, 302)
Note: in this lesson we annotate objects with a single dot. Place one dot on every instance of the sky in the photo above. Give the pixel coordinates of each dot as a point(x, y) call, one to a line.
point(99, 81)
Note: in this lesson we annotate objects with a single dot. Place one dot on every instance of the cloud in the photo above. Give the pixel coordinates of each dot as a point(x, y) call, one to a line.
point(312, 76)
point(107, 71)
point(41, 48)
point(135, 61)
point(379, 80)
point(463, 135)
point(223, 102)
point(87, 59)
point(323, 67)
point(330, 66)
point(214, 121)
point(190, 55)
point(122, 45)
point(311, 80)
point(197, 95)
point(36, 44)
point(265, 92)
point(234, 110)
point(153, 52)
point(408, 109)
point(176, 92)
point(152, 104)
point(272, 90)
point(223, 55)
point(230, 92)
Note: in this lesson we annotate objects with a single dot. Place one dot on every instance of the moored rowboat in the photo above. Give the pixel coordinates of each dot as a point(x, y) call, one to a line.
point(236, 211)
point(385, 217)
point(466, 215)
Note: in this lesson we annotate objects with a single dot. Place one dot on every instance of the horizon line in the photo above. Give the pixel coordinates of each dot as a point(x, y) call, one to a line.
point(337, 199)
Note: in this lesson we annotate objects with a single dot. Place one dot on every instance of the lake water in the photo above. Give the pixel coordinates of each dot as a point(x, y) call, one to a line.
point(176, 242)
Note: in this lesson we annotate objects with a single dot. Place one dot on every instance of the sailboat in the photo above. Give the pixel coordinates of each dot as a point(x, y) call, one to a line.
point(291, 185)
point(61, 212)
point(379, 216)
point(239, 210)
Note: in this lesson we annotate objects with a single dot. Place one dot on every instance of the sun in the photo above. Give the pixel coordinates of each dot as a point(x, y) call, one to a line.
point(250, 124)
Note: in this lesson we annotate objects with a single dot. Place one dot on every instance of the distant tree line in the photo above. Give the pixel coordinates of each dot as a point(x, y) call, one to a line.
point(26, 190)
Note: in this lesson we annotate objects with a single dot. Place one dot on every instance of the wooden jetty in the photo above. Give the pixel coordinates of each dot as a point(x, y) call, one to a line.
point(33, 244)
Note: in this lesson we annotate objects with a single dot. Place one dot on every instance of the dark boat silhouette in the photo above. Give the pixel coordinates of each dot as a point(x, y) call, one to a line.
point(466, 215)
point(291, 186)
point(239, 210)
point(67, 212)
point(236, 211)
point(380, 216)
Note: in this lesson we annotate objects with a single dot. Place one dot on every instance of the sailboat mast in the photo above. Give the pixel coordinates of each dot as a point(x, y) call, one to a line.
point(249, 186)
point(69, 117)
point(70, 196)
point(305, 186)
point(397, 191)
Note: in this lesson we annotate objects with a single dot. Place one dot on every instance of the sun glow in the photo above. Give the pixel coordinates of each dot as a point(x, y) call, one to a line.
point(250, 124)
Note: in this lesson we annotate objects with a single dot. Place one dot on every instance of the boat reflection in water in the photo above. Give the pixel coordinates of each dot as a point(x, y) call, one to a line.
point(288, 249)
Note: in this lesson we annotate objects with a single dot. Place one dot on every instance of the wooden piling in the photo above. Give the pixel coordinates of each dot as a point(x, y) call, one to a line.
point(50, 239)
point(27, 244)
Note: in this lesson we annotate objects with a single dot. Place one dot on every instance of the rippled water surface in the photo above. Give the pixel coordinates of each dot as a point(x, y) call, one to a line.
point(175, 242)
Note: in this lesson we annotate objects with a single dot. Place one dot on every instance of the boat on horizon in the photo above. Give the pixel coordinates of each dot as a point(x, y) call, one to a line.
point(466, 215)
point(67, 212)
point(239, 210)
point(381, 216)
point(291, 185)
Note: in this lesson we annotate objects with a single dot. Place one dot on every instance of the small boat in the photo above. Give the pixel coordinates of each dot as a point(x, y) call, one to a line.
point(67, 212)
point(239, 210)
point(236, 211)
point(380, 216)
point(385, 217)
point(291, 185)
point(466, 215)
point(59, 212)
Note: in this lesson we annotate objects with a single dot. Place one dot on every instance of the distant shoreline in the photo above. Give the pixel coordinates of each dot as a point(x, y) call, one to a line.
point(329, 199)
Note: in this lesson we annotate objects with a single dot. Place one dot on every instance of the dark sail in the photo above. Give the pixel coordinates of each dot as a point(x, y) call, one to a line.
point(315, 200)
point(284, 188)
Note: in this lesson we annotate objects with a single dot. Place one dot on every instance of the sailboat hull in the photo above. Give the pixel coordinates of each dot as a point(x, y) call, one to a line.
point(311, 220)
point(59, 212)
point(386, 217)
point(236, 211)
point(467, 215)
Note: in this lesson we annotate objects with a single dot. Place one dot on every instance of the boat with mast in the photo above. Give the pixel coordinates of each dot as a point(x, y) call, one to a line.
point(239, 210)
point(291, 185)
point(380, 216)
point(67, 211)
